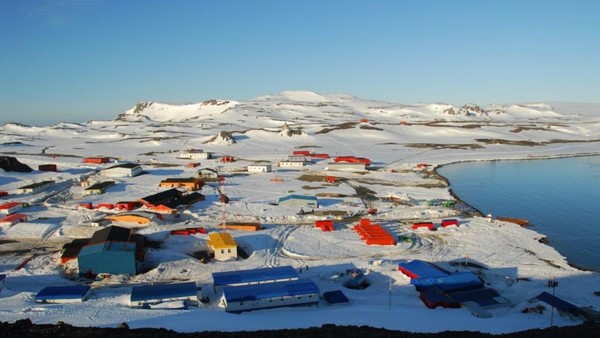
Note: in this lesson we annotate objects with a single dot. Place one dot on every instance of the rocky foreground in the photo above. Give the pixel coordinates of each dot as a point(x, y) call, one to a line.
point(25, 328)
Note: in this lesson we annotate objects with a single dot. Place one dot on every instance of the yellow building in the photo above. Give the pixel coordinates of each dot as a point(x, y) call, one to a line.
point(222, 246)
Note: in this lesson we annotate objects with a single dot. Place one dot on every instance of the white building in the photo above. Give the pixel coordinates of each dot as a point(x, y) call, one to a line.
point(195, 154)
point(295, 158)
point(259, 168)
point(299, 201)
point(270, 295)
point(148, 296)
point(345, 166)
point(10, 207)
point(291, 164)
point(207, 173)
point(122, 170)
point(35, 187)
point(13, 219)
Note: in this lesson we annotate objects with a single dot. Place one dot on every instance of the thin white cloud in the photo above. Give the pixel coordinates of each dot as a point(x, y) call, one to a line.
point(62, 12)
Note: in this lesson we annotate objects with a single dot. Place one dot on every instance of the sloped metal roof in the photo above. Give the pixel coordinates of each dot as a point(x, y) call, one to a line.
point(458, 281)
point(483, 297)
point(162, 197)
point(221, 240)
point(62, 292)
point(254, 275)
point(162, 291)
point(124, 165)
point(110, 233)
point(421, 269)
point(335, 297)
point(107, 246)
point(270, 290)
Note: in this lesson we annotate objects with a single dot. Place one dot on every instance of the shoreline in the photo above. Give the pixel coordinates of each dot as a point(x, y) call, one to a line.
point(481, 214)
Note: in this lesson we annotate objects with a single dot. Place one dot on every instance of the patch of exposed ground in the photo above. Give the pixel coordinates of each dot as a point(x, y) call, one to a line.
point(509, 142)
point(446, 125)
point(345, 125)
point(308, 187)
point(370, 127)
point(308, 146)
point(316, 178)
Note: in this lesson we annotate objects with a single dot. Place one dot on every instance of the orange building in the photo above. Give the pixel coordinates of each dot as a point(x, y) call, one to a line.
point(131, 218)
point(189, 183)
point(244, 226)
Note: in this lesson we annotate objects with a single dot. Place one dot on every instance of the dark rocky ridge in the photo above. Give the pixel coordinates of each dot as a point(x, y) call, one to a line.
point(24, 328)
point(8, 163)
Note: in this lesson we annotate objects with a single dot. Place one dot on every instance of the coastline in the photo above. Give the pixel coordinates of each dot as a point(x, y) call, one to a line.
point(530, 158)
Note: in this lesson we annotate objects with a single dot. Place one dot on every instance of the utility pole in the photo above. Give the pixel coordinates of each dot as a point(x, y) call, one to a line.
point(553, 283)
point(390, 293)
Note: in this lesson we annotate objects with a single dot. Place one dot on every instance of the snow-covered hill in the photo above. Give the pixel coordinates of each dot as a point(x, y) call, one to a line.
point(336, 107)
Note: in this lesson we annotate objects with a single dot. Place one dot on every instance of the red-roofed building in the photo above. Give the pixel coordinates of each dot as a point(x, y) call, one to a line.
point(325, 225)
point(96, 160)
point(352, 159)
point(13, 219)
point(373, 234)
point(10, 207)
point(428, 225)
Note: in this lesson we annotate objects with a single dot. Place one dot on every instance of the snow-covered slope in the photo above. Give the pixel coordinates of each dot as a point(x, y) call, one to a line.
point(176, 113)
point(395, 137)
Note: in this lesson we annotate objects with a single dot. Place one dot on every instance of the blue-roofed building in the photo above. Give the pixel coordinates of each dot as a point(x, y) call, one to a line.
point(300, 201)
point(299, 292)
point(483, 297)
point(335, 297)
point(255, 276)
point(420, 269)
point(147, 295)
point(459, 281)
point(563, 307)
point(63, 294)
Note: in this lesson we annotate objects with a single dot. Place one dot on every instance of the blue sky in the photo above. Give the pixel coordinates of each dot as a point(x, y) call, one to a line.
point(77, 60)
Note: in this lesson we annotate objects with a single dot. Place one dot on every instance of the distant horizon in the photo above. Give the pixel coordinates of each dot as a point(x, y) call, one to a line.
point(93, 59)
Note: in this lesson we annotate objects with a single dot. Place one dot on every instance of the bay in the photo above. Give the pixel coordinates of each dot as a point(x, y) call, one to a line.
point(560, 198)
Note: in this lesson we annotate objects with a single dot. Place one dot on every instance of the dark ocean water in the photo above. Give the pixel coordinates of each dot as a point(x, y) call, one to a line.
point(560, 197)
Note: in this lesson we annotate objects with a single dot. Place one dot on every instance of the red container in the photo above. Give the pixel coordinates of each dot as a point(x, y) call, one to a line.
point(449, 222)
point(105, 205)
point(428, 225)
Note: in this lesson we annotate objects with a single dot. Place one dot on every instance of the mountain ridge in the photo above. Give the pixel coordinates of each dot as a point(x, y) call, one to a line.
point(310, 103)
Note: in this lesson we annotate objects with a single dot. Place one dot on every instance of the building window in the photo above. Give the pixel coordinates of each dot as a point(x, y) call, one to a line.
point(222, 251)
point(228, 250)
